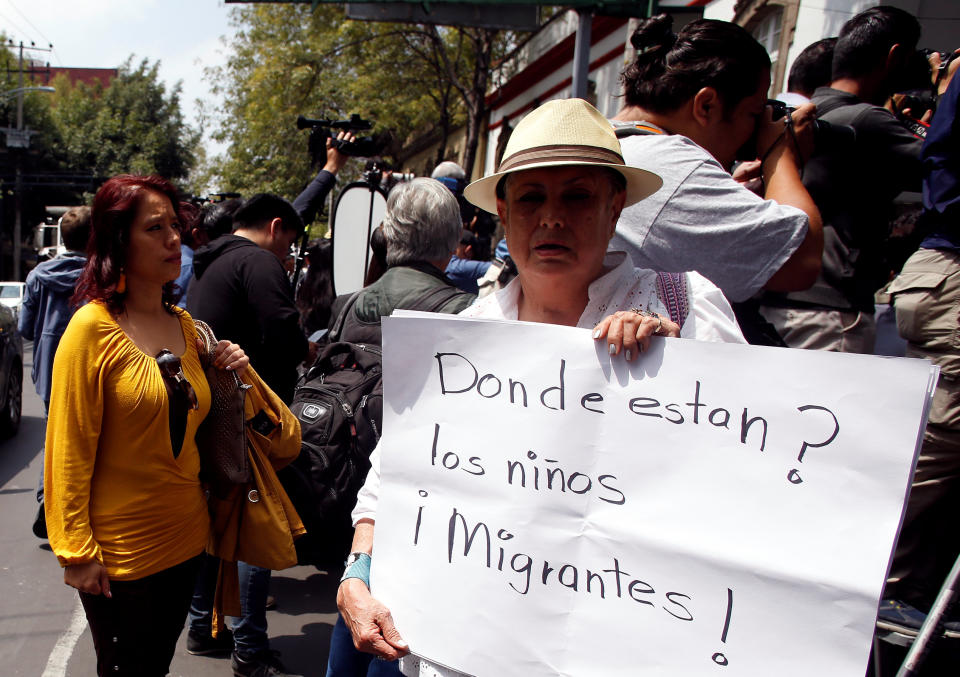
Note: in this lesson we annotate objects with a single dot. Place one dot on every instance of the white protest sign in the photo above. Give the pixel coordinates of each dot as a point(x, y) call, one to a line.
point(710, 509)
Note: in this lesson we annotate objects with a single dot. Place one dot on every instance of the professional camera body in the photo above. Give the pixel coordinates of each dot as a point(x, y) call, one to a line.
point(923, 66)
point(826, 137)
point(379, 173)
point(362, 146)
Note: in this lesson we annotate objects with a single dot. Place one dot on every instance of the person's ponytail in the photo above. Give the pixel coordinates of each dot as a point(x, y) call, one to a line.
point(670, 69)
point(652, 41)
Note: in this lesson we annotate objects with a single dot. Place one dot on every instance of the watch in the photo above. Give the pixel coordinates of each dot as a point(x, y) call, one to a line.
point(352, 559)
point(357, 566)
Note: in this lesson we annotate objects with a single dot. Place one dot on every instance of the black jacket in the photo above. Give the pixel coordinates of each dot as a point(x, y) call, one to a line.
point(243, 293)
point(854, 189)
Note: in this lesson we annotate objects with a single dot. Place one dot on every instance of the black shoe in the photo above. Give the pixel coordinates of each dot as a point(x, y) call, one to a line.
point(40, 524)
point(204, 645)
point(263, 664)
point(900, 617)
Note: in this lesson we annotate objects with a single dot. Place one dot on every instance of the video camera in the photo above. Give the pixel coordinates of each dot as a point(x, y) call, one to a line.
point(826, 136)
point(211, 198)
point(365, 146)
point(222, 197)
point(380, 173)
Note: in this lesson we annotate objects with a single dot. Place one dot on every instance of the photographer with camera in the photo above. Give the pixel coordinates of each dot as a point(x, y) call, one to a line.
point(693, 100)
point(309, 202)
point(855, 188)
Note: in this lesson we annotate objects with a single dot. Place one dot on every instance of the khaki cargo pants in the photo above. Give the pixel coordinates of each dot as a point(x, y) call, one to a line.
point(926, 296)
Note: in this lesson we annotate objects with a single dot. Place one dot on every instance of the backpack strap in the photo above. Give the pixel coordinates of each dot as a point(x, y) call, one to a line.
point(435, 299)
point(672, 292)
point(334, 334)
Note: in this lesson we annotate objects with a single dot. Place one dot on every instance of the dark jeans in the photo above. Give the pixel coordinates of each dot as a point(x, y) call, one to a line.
point(46, 411)
point(347, 661)
point(135, 631)
point(250, 629)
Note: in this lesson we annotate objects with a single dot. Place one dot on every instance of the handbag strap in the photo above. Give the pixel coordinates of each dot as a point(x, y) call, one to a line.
point(672, 292)
point(206, 335)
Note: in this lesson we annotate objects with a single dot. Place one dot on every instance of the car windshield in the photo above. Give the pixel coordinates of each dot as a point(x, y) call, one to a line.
point(9, 291)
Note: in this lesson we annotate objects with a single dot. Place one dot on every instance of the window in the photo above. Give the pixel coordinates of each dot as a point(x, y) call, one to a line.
point(766, 31)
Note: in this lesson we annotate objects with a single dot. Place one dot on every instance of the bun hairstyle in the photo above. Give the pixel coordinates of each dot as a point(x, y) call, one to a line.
point(671, 68)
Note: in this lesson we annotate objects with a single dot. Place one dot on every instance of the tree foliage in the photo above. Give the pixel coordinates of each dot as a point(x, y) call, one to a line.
point(82, 134)
point(132, 126)
point(288, 59)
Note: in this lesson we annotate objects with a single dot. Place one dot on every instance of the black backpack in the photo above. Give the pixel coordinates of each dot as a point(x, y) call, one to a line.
point(339, 402)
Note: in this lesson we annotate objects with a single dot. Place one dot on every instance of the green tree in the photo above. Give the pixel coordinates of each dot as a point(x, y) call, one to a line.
point(132, 126)
point(290, 59)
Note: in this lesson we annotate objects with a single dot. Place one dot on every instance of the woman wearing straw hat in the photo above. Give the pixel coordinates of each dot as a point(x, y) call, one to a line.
point(559, 192)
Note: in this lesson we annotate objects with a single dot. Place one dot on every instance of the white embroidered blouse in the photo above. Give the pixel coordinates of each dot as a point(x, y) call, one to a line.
point(621, 287)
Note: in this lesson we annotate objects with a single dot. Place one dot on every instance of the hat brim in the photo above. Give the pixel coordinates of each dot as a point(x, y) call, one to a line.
point(640, 182)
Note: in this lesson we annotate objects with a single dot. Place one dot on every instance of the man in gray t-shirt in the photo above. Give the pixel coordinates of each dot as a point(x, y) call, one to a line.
point(703, 220)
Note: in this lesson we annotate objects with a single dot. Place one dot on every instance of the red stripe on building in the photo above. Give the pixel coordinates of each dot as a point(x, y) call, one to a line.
point(596, 63)
point(562, 52)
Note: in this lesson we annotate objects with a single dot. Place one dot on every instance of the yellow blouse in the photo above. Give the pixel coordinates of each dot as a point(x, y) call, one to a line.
point(113, 489)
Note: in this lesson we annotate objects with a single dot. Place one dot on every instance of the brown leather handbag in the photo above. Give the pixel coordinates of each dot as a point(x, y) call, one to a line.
point(221, 438)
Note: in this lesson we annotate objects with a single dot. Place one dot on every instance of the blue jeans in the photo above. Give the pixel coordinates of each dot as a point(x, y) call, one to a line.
point(46, 411)
point(347, 661)
point(200, 617)
point(250, 629)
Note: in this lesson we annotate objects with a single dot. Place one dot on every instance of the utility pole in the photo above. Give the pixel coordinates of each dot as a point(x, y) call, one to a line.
point(581, 53)
point(18, 180)
point(19, 141)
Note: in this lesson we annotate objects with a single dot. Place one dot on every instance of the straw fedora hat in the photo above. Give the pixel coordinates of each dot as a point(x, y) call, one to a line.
point(560, 133)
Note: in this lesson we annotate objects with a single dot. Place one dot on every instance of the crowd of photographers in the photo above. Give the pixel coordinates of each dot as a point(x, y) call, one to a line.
point(787, 206)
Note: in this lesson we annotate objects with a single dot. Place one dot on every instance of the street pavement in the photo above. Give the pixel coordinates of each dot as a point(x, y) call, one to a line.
point(42, 628)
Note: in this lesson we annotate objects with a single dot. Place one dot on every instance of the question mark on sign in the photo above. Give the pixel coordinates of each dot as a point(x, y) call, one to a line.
point(794, 475)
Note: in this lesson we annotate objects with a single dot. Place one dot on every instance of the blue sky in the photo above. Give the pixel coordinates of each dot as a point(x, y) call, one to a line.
point(184, 35)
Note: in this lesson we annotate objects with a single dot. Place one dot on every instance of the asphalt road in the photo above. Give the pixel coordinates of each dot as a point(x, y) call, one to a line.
point(42, 628)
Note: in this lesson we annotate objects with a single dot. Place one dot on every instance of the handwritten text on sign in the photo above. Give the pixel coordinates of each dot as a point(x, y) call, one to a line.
point(548, 510)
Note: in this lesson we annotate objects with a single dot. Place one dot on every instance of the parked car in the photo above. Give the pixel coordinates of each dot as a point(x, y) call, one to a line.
point(11, 295)
point(11, 373)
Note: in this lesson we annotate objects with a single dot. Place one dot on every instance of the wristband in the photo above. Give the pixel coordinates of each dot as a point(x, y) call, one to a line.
point(358, 566)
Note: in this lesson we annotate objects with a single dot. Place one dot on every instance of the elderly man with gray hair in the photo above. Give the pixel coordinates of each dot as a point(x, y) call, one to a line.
point(422, 228)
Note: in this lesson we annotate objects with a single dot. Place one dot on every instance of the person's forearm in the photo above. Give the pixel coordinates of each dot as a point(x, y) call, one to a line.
point(784, 186)
point(311, 199)
point(363, 537)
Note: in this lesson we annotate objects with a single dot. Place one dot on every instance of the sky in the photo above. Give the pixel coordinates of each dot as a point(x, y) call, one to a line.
point(184, 35)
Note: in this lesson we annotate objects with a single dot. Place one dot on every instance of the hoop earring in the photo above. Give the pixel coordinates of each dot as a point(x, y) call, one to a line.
point(122, 283)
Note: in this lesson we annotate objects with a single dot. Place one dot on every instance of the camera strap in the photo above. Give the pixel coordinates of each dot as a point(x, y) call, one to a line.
point(788, 131)
point(637, 129)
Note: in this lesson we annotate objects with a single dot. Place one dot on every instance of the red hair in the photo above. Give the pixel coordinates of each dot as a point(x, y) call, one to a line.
point(114, 209)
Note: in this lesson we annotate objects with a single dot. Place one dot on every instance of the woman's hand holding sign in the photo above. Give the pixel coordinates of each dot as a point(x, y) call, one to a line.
point(368, 620)
point(630, 330)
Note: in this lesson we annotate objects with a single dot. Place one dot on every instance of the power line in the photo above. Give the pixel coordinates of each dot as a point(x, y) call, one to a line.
point(12, 23)
point(25, 18)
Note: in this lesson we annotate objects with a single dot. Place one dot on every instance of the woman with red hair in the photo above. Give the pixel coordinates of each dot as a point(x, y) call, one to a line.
point(126, 514)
